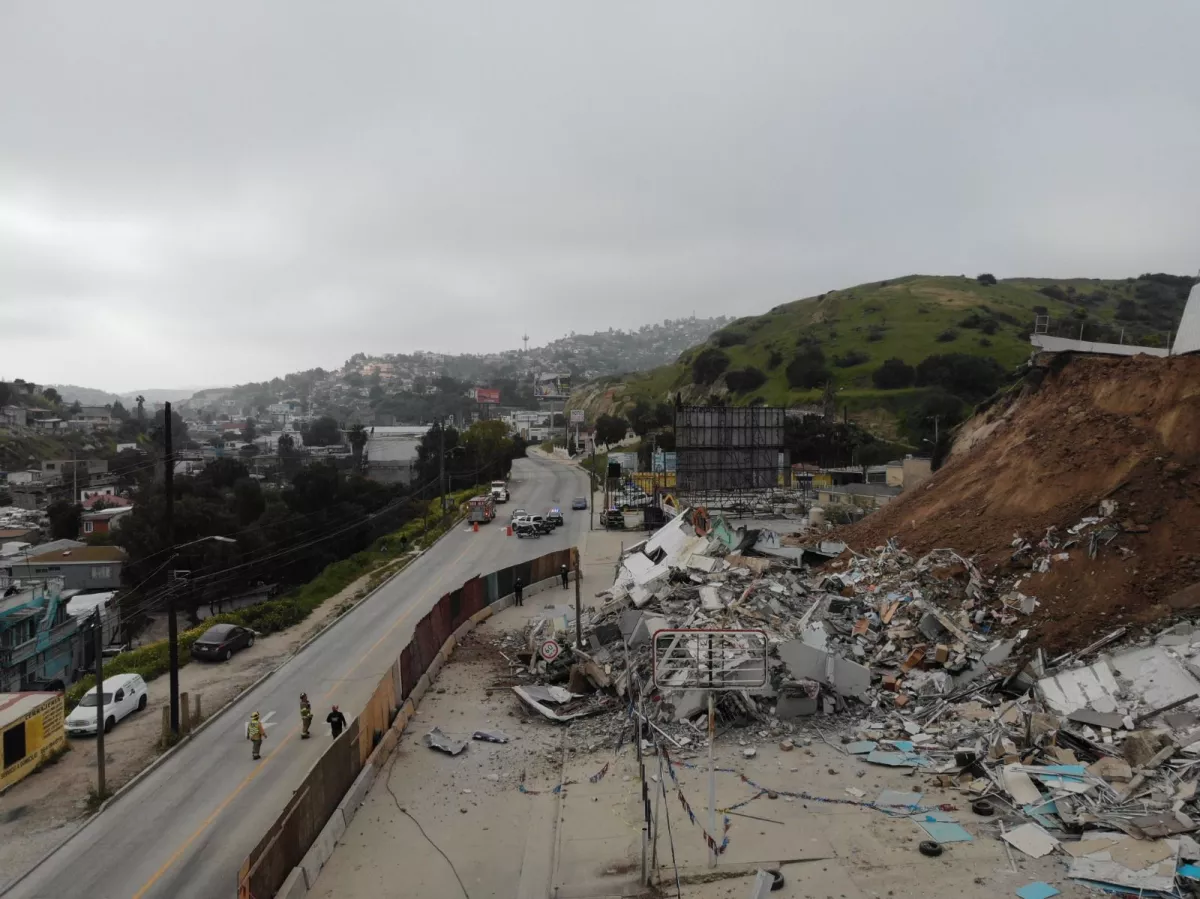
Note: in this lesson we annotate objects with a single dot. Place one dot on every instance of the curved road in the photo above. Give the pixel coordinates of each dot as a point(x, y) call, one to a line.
point(183, 831)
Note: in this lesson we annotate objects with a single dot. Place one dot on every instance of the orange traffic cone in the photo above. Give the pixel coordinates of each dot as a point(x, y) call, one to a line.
point(508, 531)
point(475, 527)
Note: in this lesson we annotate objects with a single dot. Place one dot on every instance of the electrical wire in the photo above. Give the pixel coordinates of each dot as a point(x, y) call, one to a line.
point(662, 784)
point(388, 784)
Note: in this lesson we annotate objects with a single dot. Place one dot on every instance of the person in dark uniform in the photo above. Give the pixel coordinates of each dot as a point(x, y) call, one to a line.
point(519, 592)
point(337, 721)
point(565, 577)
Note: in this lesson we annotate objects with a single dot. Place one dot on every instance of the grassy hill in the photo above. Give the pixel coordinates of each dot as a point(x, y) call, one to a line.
point(787, 356)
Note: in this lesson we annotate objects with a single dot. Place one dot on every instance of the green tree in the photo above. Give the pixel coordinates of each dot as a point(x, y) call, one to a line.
point(65, 519)
point(610, 429)
point(76, 409)
point(893, 374)
point(248, 500)
point(249, 430)
point(52, 395)
point(357, 435)
point(141, 407)
point(808, 370)
point(323, 431)
point(119, 411)
point(709, 364)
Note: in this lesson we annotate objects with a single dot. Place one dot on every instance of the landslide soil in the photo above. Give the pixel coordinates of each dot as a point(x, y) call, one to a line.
point(1078, 431)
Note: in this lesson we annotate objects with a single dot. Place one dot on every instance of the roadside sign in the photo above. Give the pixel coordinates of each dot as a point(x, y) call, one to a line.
point(549, 650)
point(576, 416)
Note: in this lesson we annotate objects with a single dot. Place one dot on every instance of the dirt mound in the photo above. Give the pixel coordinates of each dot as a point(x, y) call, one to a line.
point(1093, 429)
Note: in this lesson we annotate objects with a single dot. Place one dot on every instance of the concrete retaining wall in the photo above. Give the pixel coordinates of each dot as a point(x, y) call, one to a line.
point(316, 857)
point(304, 877)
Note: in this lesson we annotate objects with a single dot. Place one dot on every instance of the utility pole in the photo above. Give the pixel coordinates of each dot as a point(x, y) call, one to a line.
point(592, 488)
point(578, 605)
point(169, 533)
point(442, 465)
point(98, 648)
point(74, 478)
point(935, 419)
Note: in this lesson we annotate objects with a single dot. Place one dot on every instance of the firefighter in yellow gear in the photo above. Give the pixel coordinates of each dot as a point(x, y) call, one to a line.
point(306, 716)
point(256, 732)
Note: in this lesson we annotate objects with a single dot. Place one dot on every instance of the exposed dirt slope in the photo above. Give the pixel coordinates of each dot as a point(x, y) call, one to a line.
point(1098, 428)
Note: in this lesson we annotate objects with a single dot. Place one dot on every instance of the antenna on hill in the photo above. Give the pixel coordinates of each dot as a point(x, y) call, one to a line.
point(525, 337)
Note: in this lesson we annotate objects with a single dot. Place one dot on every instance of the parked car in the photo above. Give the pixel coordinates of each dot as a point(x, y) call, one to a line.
point(221, 641)
point(579, 502)
point(613, 519)
point(523, 527)
point(123, 694)
point(555, 517)
point(518, 513)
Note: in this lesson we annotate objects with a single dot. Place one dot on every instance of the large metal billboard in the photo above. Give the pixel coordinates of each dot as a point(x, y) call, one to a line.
point(552, 385)
point(722, 449)
point(487, 395)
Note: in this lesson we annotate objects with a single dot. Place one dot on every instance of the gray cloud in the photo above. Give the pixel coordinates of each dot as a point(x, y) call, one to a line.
point(229, 193)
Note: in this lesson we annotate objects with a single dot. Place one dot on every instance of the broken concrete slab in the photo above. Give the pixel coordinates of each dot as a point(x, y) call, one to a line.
point(435, 739)
point(1031, 839)
point(797, 700)
point(1111, 720)
point(1069, 691)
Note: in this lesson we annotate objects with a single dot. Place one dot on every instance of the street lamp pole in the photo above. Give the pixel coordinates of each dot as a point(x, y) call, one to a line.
point(173, 623)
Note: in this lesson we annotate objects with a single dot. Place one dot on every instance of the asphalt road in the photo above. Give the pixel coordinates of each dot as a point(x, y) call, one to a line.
point(183, 831)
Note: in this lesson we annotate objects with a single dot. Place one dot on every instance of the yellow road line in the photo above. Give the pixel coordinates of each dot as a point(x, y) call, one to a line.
point(175, 856)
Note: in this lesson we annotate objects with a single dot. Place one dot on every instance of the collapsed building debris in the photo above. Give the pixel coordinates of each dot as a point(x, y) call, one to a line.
point(921, 663)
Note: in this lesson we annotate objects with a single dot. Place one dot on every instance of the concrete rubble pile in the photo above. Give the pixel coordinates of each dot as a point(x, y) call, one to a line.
point(919, 663)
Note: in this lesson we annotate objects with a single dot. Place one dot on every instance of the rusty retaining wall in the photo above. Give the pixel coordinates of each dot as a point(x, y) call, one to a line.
point(307, 818)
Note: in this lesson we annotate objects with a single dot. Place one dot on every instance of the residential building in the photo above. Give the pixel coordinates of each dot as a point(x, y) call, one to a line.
point(37, 639)
point(864, 496)
point(19, 552)
point(14, 416)
point(93, 418)
point(48, 424)
point(89, 492)
point(103, 521)
point(79, 567)
point(99, 501)
point(79, 469)
point(909, 472)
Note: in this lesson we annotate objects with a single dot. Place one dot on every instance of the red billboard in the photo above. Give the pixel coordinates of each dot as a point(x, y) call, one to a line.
point(487, 395)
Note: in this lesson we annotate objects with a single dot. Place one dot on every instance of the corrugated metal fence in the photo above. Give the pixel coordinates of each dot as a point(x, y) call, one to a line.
point(285, 844)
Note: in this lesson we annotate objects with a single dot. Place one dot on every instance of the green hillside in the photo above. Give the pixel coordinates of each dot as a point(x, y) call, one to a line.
point(843, 337)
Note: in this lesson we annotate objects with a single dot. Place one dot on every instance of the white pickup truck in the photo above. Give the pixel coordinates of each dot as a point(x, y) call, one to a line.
point(499, 492)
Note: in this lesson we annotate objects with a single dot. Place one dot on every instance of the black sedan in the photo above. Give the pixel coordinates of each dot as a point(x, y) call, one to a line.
point(579, 502)
point(221, 641)
point(555, 517)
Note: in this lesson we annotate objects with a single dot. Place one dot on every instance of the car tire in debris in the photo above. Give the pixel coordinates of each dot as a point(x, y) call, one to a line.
point(142, 703)
point(983, 808)
point(777, 883)
point(930, 848)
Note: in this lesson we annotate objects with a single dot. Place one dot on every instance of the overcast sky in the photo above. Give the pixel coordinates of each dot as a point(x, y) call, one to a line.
point(202, 194)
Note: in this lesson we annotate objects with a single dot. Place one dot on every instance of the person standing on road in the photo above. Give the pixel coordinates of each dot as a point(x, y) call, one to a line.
point(519, 592)
point(256, 732)
point(306, 716)
point(337, 721)
point(564, 575)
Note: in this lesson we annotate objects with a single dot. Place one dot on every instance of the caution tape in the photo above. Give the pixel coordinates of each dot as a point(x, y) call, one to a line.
point(709, 839)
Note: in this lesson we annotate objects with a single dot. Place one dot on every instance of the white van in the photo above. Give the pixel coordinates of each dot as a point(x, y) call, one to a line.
point(124, 694)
